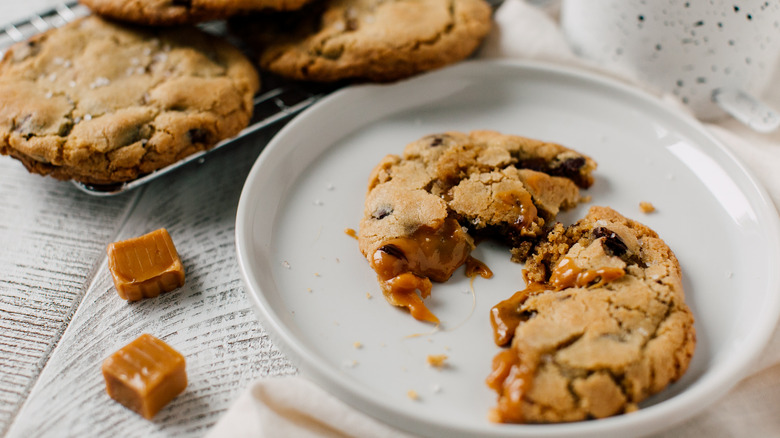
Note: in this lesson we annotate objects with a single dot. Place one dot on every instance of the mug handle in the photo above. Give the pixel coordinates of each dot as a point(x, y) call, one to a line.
point(747, 109)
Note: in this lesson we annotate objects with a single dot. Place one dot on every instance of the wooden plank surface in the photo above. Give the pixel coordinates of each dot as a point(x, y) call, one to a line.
point(51, 239)
point(209, 320)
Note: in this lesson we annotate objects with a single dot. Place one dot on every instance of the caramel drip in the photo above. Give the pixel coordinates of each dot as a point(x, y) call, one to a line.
point(408, 264)
point(528, 212)
point(568, 274)
point(476, 267)
point(506, 315)
point(401, 291)
point(351, 233)
point(511, 377)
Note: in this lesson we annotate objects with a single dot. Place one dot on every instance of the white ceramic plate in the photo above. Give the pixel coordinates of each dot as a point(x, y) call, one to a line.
point(310, 284)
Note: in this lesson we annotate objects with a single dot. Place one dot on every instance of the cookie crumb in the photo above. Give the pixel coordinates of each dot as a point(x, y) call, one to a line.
point(308, 289)
point(358, 345)
point(412, 394)
point(286, 264)
point(369, 296)
point(350, 363)
point(646, 207)
point(437, 361)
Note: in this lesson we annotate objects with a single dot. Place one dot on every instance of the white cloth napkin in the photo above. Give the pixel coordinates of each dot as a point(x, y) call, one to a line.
point(294, 407)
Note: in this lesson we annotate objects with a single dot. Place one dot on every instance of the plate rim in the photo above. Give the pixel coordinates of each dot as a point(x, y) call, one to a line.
point(647, 419)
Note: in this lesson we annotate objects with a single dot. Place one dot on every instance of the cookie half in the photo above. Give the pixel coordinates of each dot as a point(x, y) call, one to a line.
point(602, 325)
point(425, 208)
point(366, 39)
point(175, 12)
point(101, 102)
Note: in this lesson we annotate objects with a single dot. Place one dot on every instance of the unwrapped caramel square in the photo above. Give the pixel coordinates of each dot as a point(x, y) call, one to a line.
point(145, 266)
point(145, 375)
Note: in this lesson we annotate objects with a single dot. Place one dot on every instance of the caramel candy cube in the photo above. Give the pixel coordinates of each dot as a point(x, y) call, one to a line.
point(145, 266)
point(145, 375)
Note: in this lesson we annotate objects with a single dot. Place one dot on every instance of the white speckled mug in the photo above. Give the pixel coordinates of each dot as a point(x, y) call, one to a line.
point(694, 49)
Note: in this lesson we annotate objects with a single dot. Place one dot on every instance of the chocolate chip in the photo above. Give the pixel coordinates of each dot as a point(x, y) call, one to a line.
point(198, 136)
point(393, 251)
point(382, 212)
point(185, 3)
point(612, 243)
point(437, 141)
point(572, 166)
point(537, 164)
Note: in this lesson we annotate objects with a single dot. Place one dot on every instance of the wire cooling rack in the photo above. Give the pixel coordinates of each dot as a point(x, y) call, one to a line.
point(275, 103)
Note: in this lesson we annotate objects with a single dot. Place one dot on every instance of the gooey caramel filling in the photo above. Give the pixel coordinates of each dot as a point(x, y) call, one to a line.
point(511, 378)
point(506, 315)
point(568, 274)
point(476, 267)
point(408, 264)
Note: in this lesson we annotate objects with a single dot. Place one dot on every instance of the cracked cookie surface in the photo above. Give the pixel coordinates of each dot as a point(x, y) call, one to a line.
point(367, 39)
point(100, 102)
point(174, 12)
point(602, 325)
point(425, 208)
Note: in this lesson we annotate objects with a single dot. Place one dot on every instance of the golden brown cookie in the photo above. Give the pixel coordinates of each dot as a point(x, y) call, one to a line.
point(374, 40)
point(174, 12)
point(425, 209)
point(602, 325)
point(100, 102)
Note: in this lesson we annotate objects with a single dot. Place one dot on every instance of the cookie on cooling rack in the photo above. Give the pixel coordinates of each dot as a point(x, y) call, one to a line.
point(425, 209)
point(366, 39)
point(99, 102)
point(174, 12)
point(602, 325)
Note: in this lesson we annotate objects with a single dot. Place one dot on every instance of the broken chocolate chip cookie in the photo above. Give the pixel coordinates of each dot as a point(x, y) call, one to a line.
point(601, 326)
point(425, 209)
